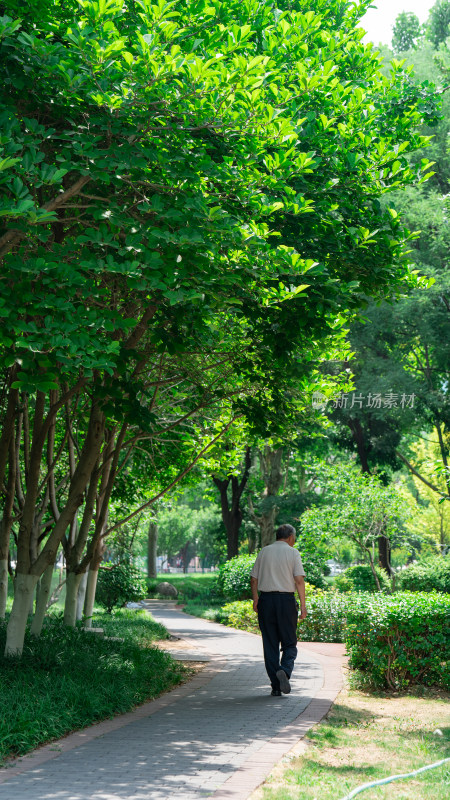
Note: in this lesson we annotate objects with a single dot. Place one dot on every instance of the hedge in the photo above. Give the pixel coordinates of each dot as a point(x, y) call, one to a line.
point(432, 576)
point(400, 640)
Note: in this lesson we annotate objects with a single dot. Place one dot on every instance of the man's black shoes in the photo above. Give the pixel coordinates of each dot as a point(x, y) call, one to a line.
point(275, 693)
point(283, 680)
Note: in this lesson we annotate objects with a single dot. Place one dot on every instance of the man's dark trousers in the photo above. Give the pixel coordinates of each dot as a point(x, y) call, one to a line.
point(277, 617)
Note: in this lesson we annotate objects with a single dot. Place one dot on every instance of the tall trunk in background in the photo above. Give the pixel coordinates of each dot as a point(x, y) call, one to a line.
point(270, 463)
point(230, 507)
point(184, 554)
point(43, 595)
point(73, 581)
point(81, 596)
point(97, 544)
point(91, 586)
point(152, 546)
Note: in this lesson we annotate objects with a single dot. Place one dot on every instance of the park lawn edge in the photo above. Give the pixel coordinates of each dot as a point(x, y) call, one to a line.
point(366, 737)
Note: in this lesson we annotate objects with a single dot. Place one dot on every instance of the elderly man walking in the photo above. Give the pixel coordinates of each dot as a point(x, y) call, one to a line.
point(277, 573)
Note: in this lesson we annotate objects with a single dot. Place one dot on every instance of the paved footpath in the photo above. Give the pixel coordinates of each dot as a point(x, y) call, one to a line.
point(217, 736)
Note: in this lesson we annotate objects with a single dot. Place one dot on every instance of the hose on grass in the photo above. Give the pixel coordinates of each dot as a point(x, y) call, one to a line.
point(393, 778)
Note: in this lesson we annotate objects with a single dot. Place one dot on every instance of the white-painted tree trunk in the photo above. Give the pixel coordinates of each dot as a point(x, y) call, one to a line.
point(90, 597)
point(73, 580)
point(24, 586)
point(3, 586)
point(81, 595)
point(45, 586)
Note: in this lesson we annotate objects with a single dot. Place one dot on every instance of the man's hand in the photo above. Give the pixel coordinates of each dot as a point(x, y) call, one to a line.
point(254, 587)
point(304, 614)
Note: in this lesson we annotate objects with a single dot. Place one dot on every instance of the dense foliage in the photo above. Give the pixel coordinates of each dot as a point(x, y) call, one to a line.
point(359, 578)
point(233, 579)
point(429, 576)
point(120, 584)
point(400, 640)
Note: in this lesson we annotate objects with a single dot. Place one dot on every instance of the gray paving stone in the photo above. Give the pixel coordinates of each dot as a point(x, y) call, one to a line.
point(189, 749)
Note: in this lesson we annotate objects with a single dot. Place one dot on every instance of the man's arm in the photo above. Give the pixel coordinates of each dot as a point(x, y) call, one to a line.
point(254, 587)
point(300, 585)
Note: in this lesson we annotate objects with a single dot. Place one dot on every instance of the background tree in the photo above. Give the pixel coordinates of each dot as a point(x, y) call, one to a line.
point(406, 31)
point(438, 22)
point(356, 507)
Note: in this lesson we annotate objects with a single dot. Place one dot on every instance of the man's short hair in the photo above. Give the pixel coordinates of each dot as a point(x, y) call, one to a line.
point(284, 532)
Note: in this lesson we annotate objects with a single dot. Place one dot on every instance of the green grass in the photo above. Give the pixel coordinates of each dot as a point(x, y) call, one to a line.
point(68, 679)
point(195, 592)
point(367, 738)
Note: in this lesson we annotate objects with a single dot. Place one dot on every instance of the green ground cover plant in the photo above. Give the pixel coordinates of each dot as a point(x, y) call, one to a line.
point(366, 738)
point(69, 679)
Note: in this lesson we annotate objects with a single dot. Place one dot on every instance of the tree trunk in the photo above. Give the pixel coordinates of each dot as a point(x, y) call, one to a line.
point(89, 600)
point(374, 573)
point(24, 586)
point(43, 595)
point(3, 586)
point(152, 542)
point(184, 553)
point(267, 526)
point(81, 595)
point(232, 512)
point(358, 437)
point(5, 528)
point(270, 462)
point(92, 578)
point(73, 580)
point(384, 552)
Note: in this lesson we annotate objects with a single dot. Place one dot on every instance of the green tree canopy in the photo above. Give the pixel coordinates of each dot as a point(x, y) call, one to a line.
point(438, 22)
point(406, 31)
point(190, 203)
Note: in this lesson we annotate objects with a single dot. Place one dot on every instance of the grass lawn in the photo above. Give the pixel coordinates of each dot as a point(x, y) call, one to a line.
point(366, 738)
point(68, 679)
point(195, 591)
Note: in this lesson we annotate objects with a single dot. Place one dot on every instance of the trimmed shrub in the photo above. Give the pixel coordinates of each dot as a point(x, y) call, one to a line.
point(359, 578)
point(120, 584)
point(233, 579)
point(326, 618)
point(433, 575)
point(400, 640)
point(239, 615)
